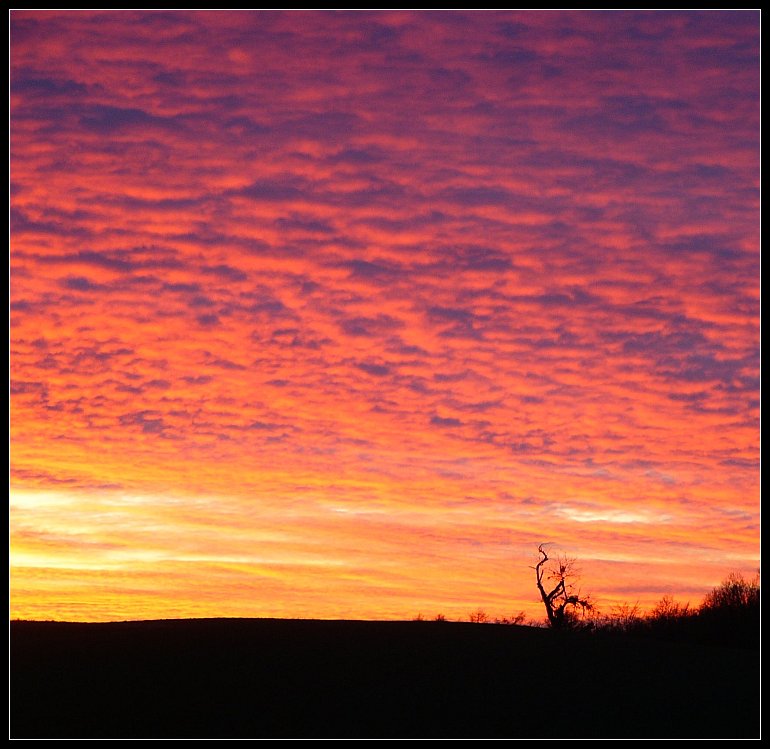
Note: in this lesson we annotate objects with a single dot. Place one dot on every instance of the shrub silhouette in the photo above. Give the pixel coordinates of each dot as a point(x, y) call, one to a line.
point(734, 594)
point(479, 617)
point(730, 613)
point(667, 609)
point(516, 619)
point(728, 616)
point(624, 616)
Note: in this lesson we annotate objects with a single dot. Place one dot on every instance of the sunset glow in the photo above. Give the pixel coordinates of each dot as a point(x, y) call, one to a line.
point(341, 314)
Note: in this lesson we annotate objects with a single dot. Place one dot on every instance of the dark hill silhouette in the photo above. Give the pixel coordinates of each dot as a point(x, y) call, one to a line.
point(267, 678)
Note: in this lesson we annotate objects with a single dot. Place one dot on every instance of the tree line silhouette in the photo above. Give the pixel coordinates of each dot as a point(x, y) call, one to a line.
point(729, 615)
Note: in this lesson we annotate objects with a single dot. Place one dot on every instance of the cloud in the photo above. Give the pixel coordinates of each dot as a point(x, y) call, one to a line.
point(108, 119)
point(477, 196)
point(47, 88)
point(183, 288)
point(272, 190)
point(80, 283)
point(376, 370)
point(445, 421)
point(304, 225)
point(148, 421)
point(358, 156)
point(224, 272)
point(368, 270)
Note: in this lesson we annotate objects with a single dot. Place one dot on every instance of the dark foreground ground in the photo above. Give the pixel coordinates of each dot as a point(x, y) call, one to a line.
point(268, 678)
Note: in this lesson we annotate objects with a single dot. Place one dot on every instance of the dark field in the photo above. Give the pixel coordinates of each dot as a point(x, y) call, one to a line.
point(268, 678)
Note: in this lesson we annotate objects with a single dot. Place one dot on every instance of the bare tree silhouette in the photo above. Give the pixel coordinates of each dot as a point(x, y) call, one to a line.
point(562, 602)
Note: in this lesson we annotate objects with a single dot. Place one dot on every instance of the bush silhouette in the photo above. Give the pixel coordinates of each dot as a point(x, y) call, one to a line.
point(728, 616)
point(478, 617)
point(667, 610)
point(730, 613)
point(735, 594)
point(515, 619)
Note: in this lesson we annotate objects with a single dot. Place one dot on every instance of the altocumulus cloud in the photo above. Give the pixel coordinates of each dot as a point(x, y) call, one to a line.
point(387, 261)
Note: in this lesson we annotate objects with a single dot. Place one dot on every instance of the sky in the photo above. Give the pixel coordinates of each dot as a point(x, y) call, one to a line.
point(340, 314)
